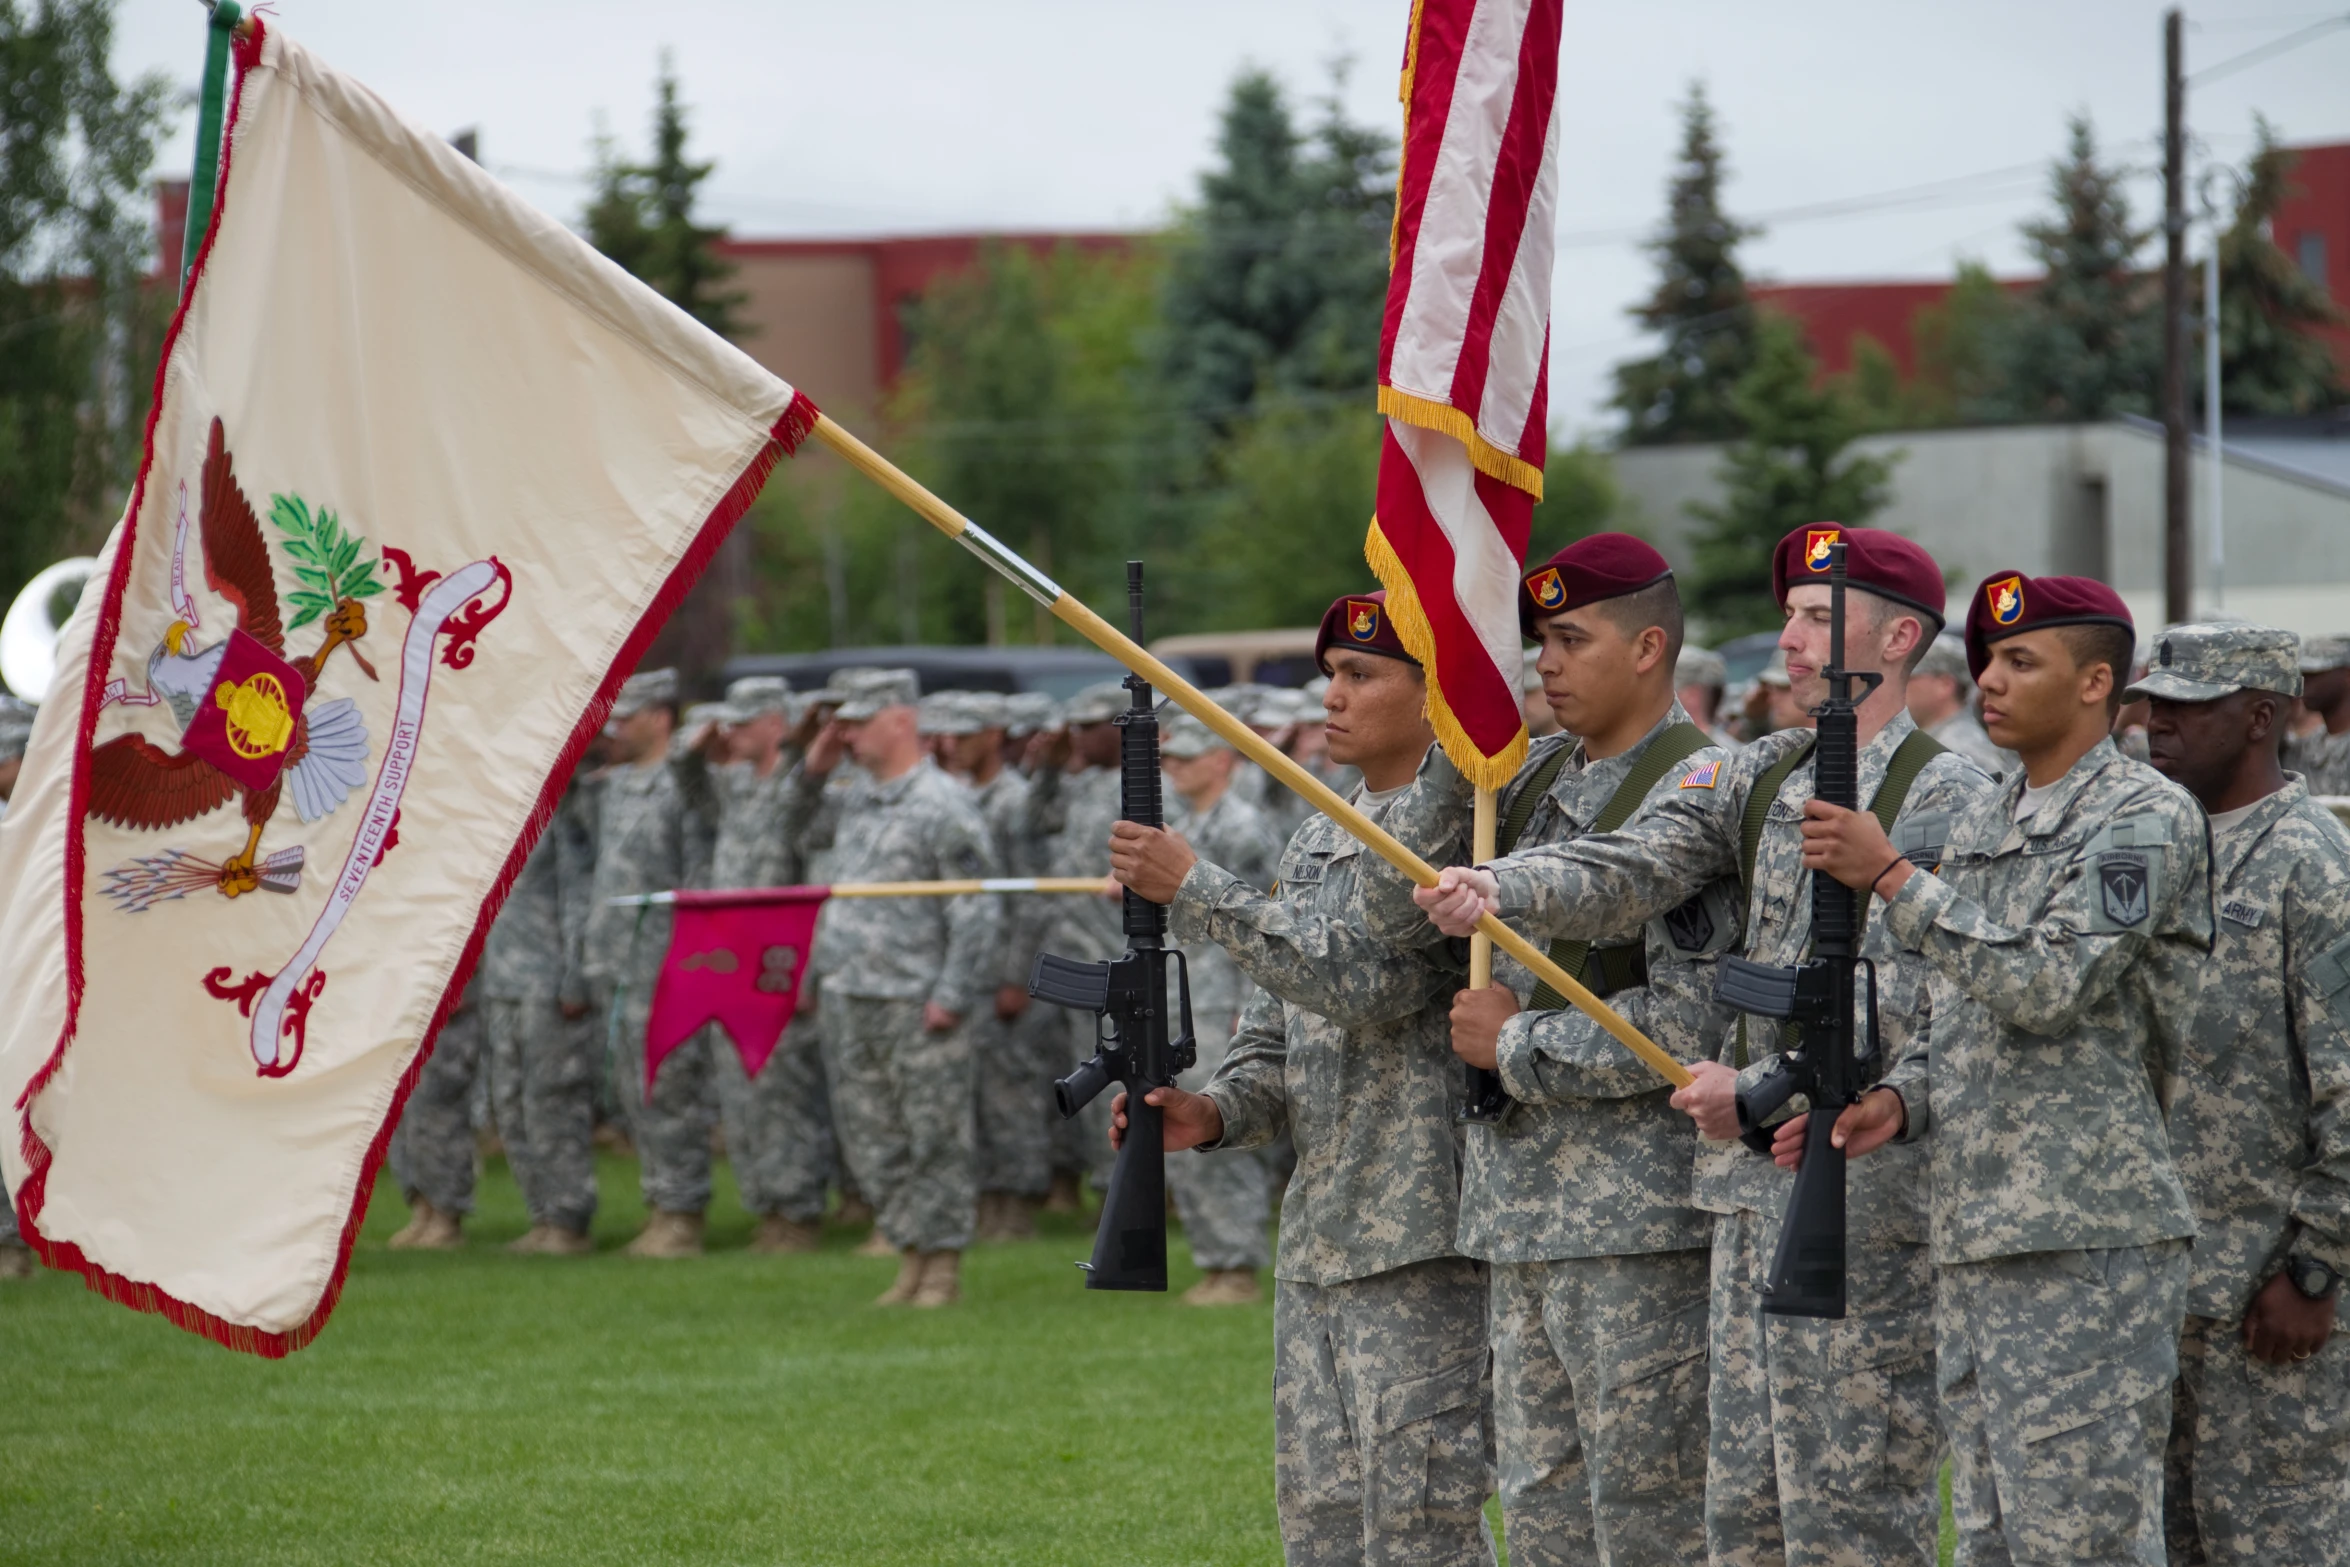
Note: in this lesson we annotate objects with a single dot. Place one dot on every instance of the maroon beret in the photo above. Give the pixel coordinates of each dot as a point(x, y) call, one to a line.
point(1875, 559)
point(1603, 566)
point(2008, 602)
point(1359, 620)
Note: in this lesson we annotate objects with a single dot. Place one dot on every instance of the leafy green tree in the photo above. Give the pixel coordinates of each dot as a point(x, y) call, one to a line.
point(2270, 359)
point(1283, 535)
point(2087, 342)
point(1278, 277)
point(642, 216)
point(79, 326)
point(1580, 497)
point(1700, 307)
point(1958, 342)
point(1792, 467)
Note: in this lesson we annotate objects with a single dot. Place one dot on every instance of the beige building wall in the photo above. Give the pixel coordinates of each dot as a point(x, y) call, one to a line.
point(815, 325)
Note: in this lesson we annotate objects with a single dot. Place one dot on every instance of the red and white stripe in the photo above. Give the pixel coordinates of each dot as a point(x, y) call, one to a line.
point(1464, 359)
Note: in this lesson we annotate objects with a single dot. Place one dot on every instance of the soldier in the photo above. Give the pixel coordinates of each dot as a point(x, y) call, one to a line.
point(1012, 1158)
point(2259, 1465)
point(542, 1066)
point(1942, 700)
point(645, 842)
point(2067, 928)
point(1792, 1475)
point(1577, 1199)
point(2321, 754)
point(1699, 678)
point(16, 727)
point(1380, 1400)
point(1541, 722)
point(1224, 1202)
point(433, 1148)
point(903, 977)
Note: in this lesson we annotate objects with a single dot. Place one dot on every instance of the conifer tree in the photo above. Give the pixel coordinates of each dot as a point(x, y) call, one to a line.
point(1700, 306)
point(642, 216)
point(2270, 359)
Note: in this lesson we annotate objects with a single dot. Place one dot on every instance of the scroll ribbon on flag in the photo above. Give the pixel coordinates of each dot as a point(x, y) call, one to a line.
point(1464, 360)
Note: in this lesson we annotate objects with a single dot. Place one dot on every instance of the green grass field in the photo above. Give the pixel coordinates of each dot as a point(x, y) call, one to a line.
point(482, 1408)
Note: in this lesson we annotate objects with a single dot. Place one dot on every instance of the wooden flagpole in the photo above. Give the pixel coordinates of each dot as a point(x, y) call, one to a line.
point(1095, 886)
point(1483, 828)
point(1243, 739)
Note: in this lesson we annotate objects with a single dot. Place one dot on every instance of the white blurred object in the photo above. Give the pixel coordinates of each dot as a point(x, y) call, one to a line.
point(28, 636)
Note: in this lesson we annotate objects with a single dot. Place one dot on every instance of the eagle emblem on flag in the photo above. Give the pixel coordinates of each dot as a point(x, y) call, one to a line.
point(2006, 597)
point(1362, 620)
point(1817, 545)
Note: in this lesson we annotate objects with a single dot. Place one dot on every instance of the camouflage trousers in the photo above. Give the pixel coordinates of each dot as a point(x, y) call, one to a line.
point(2056, 1372)
point(2259, 1465)
point(432, 1153)
point(1599, 1386)
point(1823, 1449)
point(1224, 1200)
point(1382, 1432)
point(903, 1107)
point(543, 1072)
point(778, 1124)
point(1013, 1152)
point(670, 1125)
point(1079, 1143)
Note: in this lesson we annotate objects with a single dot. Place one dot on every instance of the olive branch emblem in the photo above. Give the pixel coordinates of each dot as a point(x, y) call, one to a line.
point(327, 560)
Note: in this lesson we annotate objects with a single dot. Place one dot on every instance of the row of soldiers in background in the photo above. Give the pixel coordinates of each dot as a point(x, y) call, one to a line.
point(2100, 1191)
point(916, 1077)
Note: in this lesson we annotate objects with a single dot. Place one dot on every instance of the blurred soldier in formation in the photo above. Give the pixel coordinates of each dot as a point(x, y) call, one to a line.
point(1541, 722)
point(2319, 748)
point(903, 978)
point(16, 727)
point(2259, 1462)
point(647, 839)
point(1224, 1202)
point(1942, 701)
point(1699, 679)
point(1380, 1398)
point(811, 1155)
point(433, 1149)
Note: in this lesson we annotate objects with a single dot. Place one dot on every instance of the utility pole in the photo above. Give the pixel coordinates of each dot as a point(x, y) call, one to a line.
point(2178, 548)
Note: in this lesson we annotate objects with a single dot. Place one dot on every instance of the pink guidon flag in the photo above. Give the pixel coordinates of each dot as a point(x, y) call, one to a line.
point(423, 476)
point(736, 959)
point(1464, 360)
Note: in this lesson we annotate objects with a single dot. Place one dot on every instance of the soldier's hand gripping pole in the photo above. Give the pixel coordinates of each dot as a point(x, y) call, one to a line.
point(1126, 650)
point(1136, 1047)
point(1806, 1277)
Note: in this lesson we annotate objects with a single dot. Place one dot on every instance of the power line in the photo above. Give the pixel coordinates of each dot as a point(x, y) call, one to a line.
point(2253, 57)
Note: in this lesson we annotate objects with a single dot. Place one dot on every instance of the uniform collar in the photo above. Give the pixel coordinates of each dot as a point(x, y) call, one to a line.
point(2232, 851)
point(2056, 805)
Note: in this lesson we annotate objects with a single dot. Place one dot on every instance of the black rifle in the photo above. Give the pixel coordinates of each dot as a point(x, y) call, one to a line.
point(1806, 1278)
point(1128, 997)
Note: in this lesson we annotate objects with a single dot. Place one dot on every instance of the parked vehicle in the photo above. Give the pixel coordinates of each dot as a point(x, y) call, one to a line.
point(1059, 672)
point(1272, 658)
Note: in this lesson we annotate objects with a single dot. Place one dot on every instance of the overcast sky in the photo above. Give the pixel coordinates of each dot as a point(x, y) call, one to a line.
point(899, 116)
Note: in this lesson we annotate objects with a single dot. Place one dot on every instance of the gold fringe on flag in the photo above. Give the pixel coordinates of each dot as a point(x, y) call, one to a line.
point(1445, 419)
point(1411, 624)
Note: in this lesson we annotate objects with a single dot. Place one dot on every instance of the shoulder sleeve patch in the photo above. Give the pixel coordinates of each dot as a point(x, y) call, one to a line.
point(2329, 972)
point(1706, 924)
point(1705, 775)
point(1920, 837)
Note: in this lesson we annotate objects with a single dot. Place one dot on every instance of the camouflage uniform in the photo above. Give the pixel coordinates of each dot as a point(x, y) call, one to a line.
point(644, 843)
point(1792, 1475)
point(16, 727)
point(1069, 818)
point(1381, 1431)
point(543, 1068)
point(1579, 1200)
point(2062, 945)
point(432, 1150)
point(2322, 759)
point(1224, 1202)
point(902, 1095)
point(2259, 1466)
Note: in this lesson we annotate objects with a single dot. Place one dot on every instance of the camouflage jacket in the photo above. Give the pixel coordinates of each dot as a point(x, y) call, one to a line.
point(1964, 733)
point(748, 847)
point(2260, 1107)
point(1232, 835)
point(1592, 1161)
point(1688, 841)
point(1003, 807)
point(2062, 948)
point(2322, 760)
point(533, 952)
point(1069, 817)
point(645, 838)
point(919, 826)
point(1347, 1045)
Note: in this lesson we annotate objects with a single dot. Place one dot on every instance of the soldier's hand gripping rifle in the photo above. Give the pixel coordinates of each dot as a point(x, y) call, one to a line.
point(1806, 1277)
point(1128, 995)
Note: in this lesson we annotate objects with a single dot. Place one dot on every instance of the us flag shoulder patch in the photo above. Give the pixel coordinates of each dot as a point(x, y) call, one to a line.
point(1703, 776)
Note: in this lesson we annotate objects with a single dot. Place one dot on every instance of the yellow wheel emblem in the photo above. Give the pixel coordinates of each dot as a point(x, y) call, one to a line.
point(260, 720)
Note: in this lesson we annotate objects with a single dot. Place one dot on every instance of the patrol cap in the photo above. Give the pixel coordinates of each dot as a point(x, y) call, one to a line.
point(1700, 666)
point(1097, 704)
point(16, 726)
point(1313, 691)
point(2319, 654)
point(2204, 661)
point(1184, 737)
point(1945, 655)
point(988, 709)
point(1602, 566)
point(646, 688)
point(756, 694)
point(1281, 706)
point(1774, 673)
point(946, 713)
point(1876, 560)
point(2008, 602)
point(706, 713)
point(1359, 621)
point(1026, 712)
point(866, 692)
point(1530, 678)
